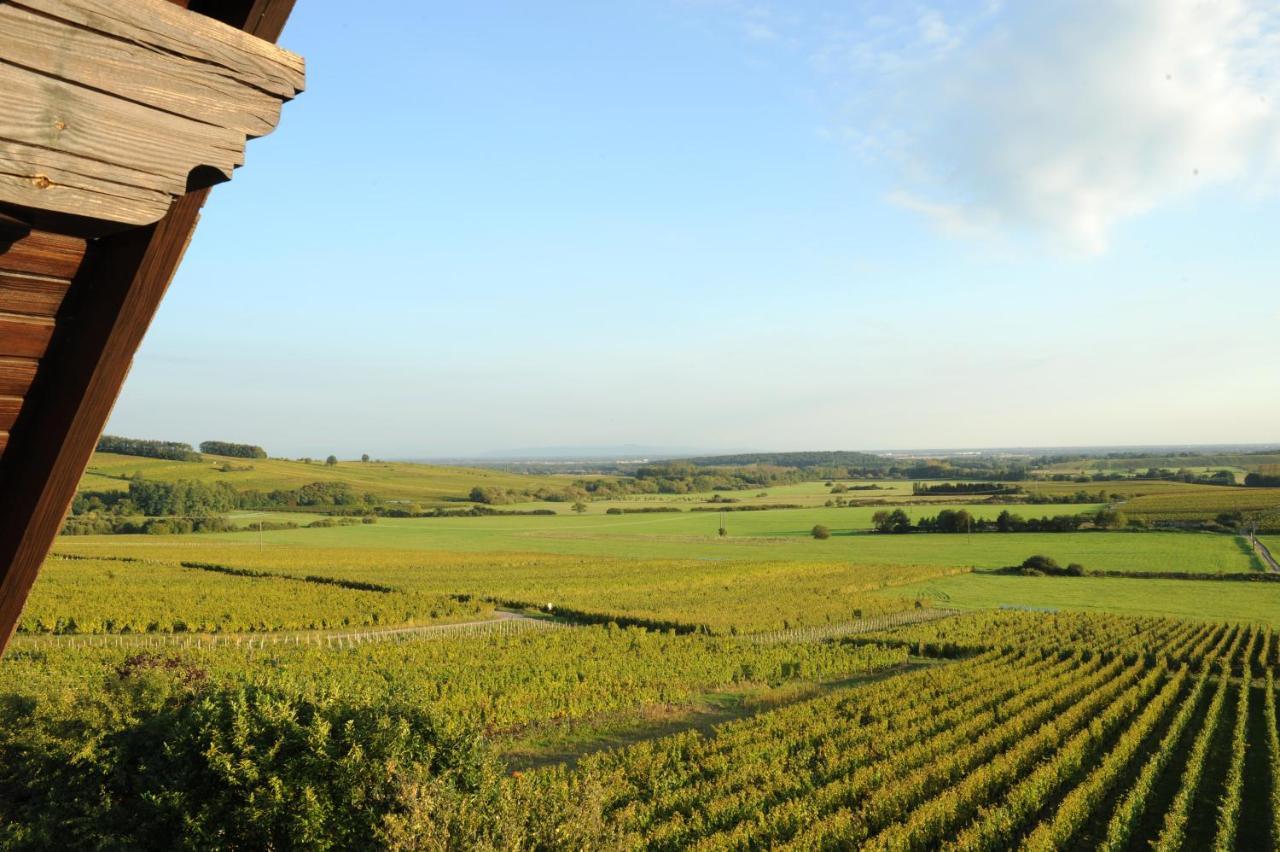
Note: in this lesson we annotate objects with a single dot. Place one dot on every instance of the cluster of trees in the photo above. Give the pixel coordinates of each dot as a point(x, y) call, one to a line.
point(114, 525)
point(227, 448)
point(186, 506)
point(170, 450)
point(961, 521)
point(1262, 480)
point(919, 488)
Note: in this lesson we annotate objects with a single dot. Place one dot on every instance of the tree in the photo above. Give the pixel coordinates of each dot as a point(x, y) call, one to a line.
point(332, 461)
point(820, 532)
point(579, 507)
point(364, 457)
point(1110, 519)
point(896, 521)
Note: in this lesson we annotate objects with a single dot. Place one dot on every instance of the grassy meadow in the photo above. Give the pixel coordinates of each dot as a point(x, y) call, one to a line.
point(1201, 601)
point(753, 536)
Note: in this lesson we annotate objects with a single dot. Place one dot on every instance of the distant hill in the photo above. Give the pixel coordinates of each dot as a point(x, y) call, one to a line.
point(839, 458)
point(388, 480)
point(600, 453)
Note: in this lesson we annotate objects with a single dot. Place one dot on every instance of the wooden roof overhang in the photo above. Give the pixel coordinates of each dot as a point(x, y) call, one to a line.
point(116, 118)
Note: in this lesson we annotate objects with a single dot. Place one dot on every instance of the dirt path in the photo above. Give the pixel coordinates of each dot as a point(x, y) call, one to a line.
point(1264, 554)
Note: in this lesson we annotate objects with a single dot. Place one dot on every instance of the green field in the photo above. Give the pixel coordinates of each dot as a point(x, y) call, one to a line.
point(765, 536)
point(1206, 600)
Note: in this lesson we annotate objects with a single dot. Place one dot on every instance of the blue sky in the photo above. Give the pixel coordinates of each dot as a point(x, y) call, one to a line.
point(718, 224)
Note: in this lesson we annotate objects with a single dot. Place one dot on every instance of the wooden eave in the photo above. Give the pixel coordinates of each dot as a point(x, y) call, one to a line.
point(116, 116)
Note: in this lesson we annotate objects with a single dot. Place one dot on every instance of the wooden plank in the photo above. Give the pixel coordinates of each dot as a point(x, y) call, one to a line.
point(111, 109)
point(166, 81)
point(16, 375)
point(23, 336)
point(43, 253)
point(50, 180)
point(9, 408)
point(46, 112)
point(26, 294)
point(159, 26)
point(4, 442)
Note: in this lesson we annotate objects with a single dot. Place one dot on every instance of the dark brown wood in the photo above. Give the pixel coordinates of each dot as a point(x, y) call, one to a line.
point(16, 375)
point(9, 407)
point(112, 299)
point(43, 253)
point(25, 294)
point(24, 336)
point(122, 281)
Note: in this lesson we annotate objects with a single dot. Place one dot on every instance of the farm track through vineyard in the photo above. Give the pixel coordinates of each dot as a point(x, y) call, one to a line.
point(504, 622)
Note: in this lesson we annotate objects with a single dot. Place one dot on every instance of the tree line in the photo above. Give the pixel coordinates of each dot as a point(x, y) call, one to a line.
point(169, 450)
point(897, 521)
point(226, 448)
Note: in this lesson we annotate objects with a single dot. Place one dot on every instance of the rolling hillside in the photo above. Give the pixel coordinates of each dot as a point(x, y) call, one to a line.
point(388, 480)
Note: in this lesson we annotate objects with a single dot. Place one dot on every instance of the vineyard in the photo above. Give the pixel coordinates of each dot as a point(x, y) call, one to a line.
point(725, 597)
point(1058, 742)
point(79, 596)
point(993, 730)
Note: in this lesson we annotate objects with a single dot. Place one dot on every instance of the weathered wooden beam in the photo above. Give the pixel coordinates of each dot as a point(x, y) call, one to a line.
point(107, 107)
point(112, 299)
point(119, 288)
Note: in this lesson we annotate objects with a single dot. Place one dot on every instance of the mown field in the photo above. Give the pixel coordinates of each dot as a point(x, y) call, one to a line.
point(772, 536)
point(1189, 599)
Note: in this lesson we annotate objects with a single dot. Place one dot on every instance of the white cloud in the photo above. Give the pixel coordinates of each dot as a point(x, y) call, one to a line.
point(1069, 117)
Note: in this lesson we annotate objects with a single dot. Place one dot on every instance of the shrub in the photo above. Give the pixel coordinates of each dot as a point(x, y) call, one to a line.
point(241, 767)
point(820, 532)
point(1043, 564)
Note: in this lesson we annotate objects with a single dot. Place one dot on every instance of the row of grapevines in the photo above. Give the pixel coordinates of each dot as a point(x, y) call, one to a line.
point(1078, 805)
point(824, 779)
point(827, 732)
point(925, 826)
point(1273, 740)
point(999, 825)
point(1229, 805)
point(1131, 808)
point(928, 794)
point(1175, 820)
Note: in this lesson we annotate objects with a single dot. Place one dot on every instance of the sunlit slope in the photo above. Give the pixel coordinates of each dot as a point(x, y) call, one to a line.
point(388, 480)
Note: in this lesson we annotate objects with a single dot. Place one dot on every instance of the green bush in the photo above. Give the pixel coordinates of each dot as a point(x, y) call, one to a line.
point(160, 759)
point(820, 532)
